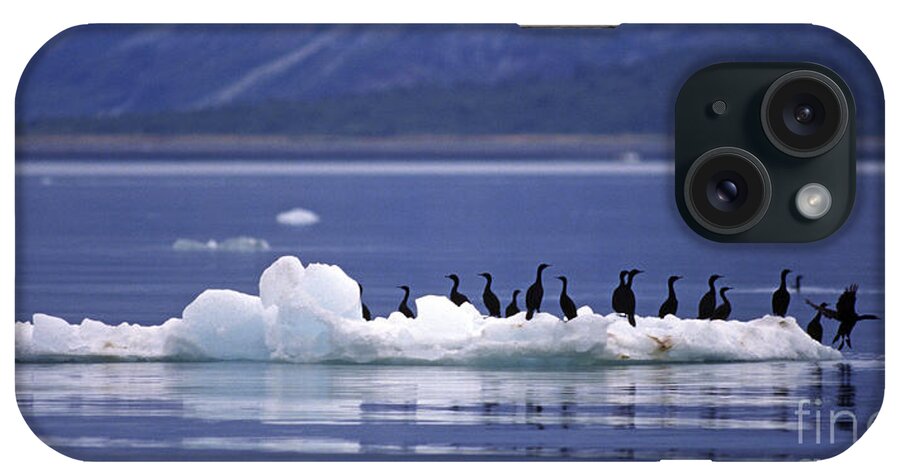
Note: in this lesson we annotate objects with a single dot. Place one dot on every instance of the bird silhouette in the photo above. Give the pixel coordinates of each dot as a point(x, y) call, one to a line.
point(535, 294)
point(781, 298)
point(404, 304)
point(797, 283)
point(490, 299)
point(565, 302)
point(670, 305)
point(845, 313)
point(457, 297)
point(814, 328)
point(618, 295)
point(708, 301)
point(513, 308)
point(723, 310)
point(623, 300)
point(366, 314)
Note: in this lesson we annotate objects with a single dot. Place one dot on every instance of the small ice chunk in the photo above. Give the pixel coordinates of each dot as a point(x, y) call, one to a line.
point(226, 325)
point(240, 244)
point(298, 217)
point(280, 282)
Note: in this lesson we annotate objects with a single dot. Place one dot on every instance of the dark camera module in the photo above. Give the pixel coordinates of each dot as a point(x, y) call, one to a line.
point(804, 113)
point(765, 152)
point(727, 190)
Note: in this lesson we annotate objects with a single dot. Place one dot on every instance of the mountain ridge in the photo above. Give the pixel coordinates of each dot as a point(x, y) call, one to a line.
point(393, 79)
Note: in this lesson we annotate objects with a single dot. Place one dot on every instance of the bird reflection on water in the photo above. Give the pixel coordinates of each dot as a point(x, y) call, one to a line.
point(289, 411)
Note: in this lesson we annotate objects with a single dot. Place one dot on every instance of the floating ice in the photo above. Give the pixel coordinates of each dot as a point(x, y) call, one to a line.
point(297, 217)
point(312, 314)
point(238, 244)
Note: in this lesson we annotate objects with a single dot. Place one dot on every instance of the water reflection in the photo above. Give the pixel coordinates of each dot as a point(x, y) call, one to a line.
point(846, 390)
point(219, 410)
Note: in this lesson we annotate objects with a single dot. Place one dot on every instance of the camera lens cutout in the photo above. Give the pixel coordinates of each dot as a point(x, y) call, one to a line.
point(727, 190)
point(804, 113)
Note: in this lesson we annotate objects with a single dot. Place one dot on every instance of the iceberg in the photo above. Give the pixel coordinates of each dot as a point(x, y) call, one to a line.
point(297, 217)
point(239, 244)
point(312, 313)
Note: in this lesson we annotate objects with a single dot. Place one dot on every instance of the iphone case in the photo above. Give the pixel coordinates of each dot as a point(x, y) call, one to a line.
point(296, 242)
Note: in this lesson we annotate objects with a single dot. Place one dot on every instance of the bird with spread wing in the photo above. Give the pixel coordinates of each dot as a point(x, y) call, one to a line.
point(845, 313)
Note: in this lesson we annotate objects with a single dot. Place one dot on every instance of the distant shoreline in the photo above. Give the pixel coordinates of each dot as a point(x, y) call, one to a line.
point(293, 168)
point(244, 147)
point(340, 167)
point(618, 147)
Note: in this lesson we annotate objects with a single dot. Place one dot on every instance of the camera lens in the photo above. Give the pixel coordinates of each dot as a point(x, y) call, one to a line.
point(727, 190)
point(804, 113)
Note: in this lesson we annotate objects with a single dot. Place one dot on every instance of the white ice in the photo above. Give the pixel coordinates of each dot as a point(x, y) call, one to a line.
point(297, 217)
point(312, 314)
point(239, 244)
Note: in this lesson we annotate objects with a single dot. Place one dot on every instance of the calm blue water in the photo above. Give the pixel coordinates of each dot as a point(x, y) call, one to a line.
point(289, 411)
point(101, 247)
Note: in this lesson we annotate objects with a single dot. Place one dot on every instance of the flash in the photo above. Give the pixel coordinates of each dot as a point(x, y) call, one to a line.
point(813, 201)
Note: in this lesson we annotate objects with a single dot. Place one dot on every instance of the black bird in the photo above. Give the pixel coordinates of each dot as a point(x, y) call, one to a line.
point(457, 297)
point(490, 299)
point(565, 302)
point(781, 298)
point(814, 328)
point(708, 302)
point(365, 309)
point(623, 297)
point(797, 283)
point(632, 305)
point(618, 295)
point(723, 310)
point(670, 305)
point(404, 304)
point(535, 294)
point(513, 307)
point(845, 313)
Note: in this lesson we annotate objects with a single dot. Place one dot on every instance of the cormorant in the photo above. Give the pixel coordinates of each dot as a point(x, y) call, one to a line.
point(814, 328)
point(845, 313)
point(797, 283)
point(490, 299)
point(670, 305)
point(513, 307)
point(457, 297)
point(565, 302)
point(404, 306)
point(781, 298)
point(708, 302)
point(623, 297)
point(723, 310)
point(535, 293)
point(618, 295)
point(366, 314)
